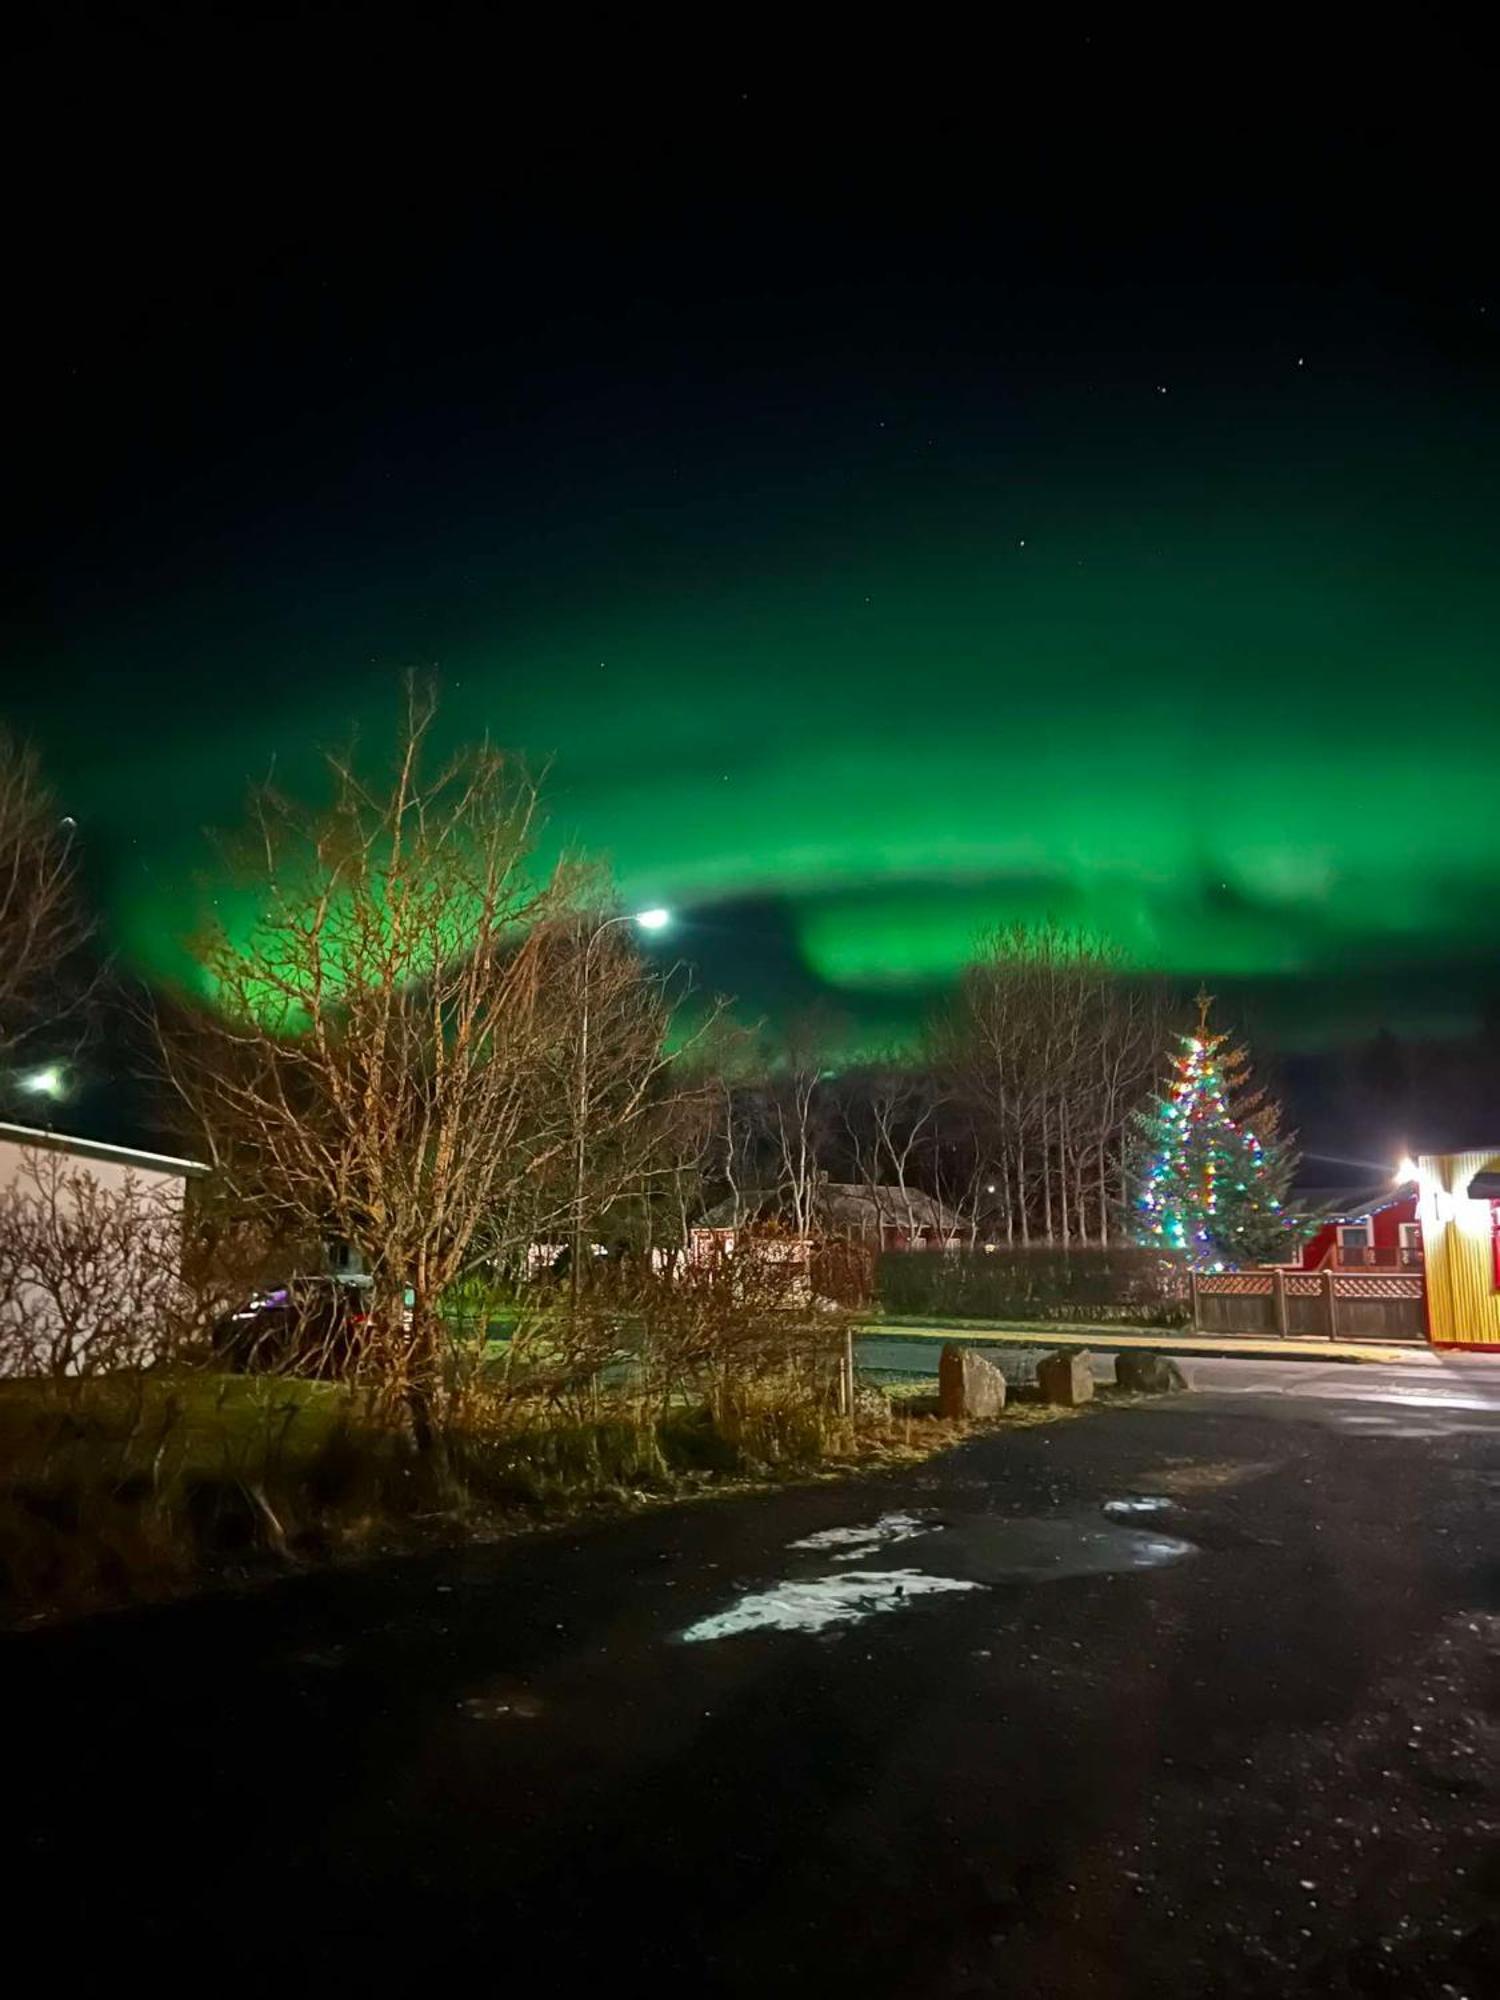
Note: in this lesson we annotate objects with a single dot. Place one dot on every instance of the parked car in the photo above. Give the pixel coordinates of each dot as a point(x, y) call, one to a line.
point(308, 1326)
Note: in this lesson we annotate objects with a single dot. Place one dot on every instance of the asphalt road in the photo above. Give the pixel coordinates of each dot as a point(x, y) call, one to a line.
point(1405, 1389)
point(1189, 1698)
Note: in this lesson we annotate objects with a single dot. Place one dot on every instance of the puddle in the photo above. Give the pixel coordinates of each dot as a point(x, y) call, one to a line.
point(854, 1543)
point(1139, 1506)
point(1396, 1427)
point(995, 1550)
point(814, 1603)
point(1199, 1476)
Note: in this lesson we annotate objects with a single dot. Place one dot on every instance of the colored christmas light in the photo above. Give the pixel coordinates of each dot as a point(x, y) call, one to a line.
point(1207, 1180)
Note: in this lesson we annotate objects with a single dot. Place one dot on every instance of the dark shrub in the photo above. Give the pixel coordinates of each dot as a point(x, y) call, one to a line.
point(692, 1442)
point(1124, 1283)
point(221, 1515)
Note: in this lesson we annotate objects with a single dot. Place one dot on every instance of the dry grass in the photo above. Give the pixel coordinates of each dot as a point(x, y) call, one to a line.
point(117, 1488)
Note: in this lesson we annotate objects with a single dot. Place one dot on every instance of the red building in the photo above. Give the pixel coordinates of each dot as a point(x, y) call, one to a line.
point(1376, 1230)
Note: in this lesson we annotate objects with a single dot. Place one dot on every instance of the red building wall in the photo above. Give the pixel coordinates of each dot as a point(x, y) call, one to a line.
point(1385, 1225)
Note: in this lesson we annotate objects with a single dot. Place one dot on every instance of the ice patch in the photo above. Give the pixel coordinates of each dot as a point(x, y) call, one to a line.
point(1137, 1505)
point(815, 1603)
point(861, 1540)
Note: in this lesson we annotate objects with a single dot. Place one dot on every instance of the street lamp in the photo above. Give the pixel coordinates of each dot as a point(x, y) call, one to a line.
point(646, 920)
point(48, 1081)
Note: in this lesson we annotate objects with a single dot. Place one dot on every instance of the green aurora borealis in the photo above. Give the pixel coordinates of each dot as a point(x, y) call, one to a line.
point(1010, 565)
point(1248, 737)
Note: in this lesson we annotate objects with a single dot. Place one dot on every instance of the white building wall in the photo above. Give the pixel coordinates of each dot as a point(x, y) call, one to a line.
point(25, 1156)
point(110, 1174)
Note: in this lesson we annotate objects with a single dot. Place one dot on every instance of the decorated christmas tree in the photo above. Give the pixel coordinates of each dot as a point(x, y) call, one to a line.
point(1214, 1165)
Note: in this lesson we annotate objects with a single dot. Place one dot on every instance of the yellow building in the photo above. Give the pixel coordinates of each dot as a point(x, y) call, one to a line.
point(1458, 1205)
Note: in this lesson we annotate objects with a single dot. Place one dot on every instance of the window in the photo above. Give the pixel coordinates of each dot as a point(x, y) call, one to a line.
point(1354, 1243)
point(1411, 1243)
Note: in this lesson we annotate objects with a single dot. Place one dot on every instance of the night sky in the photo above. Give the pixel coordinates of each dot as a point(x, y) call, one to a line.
point(890, 506)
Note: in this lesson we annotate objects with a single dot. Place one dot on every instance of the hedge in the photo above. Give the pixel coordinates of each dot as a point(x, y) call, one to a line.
point(1047, 1283)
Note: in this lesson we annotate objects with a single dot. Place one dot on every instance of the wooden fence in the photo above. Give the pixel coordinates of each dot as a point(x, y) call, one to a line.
point(1326, 1305)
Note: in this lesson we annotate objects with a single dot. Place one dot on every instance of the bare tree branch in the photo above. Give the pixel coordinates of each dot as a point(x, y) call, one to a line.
point(42, 918)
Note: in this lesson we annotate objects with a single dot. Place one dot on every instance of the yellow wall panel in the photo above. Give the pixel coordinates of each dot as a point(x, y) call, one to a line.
point(1463, 1306)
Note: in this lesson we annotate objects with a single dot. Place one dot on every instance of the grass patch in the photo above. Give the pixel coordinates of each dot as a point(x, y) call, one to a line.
point(118, 1485)
point(907, 1388)
point(116, 1488)
point(1044, 1329)
point(915, 1395)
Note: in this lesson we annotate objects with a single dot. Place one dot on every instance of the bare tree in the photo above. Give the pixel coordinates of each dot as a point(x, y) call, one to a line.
point(90, 1270)
point(985, 1043)
point(704, 1138)
point(42, 919)
point(892, 1113)
point(731, 1060)
point(636, 1107)
point(1126, 1055)
point(380, 1058)
point(1051, 1046)
point(796, 1116)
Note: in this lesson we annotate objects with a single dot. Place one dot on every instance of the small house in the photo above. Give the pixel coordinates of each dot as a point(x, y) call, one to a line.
point(878, 1218)
point(1363, 1229)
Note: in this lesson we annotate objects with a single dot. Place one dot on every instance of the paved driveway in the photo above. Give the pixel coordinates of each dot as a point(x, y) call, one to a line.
point(1192, 1698)
point(1423, 1383)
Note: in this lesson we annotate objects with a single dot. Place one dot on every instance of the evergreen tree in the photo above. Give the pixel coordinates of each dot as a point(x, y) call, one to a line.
point(1215, 1167)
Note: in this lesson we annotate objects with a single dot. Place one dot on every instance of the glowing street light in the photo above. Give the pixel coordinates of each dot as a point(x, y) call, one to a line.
point(1407, 1171)
point(653, 920)
point(45, 1082)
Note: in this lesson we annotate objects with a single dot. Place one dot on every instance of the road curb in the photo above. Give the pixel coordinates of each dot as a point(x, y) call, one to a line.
point(1186, 1346)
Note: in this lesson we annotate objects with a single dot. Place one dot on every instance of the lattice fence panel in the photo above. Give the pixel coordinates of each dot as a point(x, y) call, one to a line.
point(1377, 1285)
point(1351, 1305)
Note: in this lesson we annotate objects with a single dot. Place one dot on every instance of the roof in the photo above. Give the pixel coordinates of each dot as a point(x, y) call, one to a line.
point(1324, 1205)
point(96, 1149)
point(903, 1207)
point(842, 1204)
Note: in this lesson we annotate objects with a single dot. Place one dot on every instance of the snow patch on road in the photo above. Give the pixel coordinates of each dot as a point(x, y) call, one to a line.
point(860, 1540)
point(814, 1603)
point(1137, 1505)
